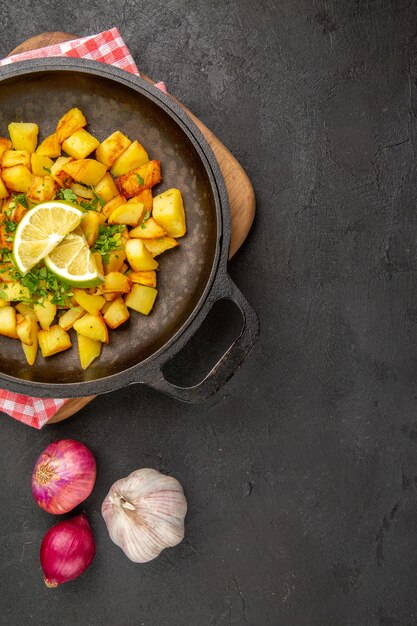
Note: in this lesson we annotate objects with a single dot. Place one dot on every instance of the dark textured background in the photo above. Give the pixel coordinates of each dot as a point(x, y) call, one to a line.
point(301, 475)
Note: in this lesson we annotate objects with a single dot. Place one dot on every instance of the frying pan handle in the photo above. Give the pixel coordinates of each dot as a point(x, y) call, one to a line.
point(227, 364)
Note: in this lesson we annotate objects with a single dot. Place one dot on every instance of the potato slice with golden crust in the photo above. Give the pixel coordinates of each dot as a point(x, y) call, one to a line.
point(42, 189)
point(115, 282)
point(149, 229)
point(53, 341)
point(134, 156)
point(141, 299)
point(88, 350)
point(158, 246)
point(91, 304)
point(50, 147)
point(18, 212)
point(116, 260)
point(69, 123)
point(112, 148)
point(138, 256)
point(80, 144)
point(168, 212)
point(45, 312)
point(116, 313)
point(141, 178)
point(41, 165)
point(113, 204)
point(86, 171)
point(16, 157)
point(5, 144)
point(92, 326)
point(8, 322)
point(26, 311)
point(106, 188)
point(31, 351)
point(18, 178)
point(67, 319)
point(90, 226)
point(144, 278)
point(4, 192)
point(24, 135)
point(129, 213)
point(145, 196)
point(99, 262)
point(23, 329)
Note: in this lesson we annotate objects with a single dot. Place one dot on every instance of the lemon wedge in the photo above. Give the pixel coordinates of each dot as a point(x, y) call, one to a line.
point(41, 229)
point(72, 261)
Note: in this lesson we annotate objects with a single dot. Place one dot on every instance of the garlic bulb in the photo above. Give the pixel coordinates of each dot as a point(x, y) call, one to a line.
point(144, 513)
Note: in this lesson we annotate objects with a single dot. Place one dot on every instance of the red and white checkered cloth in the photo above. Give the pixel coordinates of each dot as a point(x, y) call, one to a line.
point(107, 47)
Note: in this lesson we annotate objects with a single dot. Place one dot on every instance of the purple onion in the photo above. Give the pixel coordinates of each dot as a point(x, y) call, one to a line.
point(63, 476)
point(67, 550)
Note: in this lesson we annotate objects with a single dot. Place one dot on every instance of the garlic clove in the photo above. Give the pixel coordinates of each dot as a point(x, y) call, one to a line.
point(144, 514)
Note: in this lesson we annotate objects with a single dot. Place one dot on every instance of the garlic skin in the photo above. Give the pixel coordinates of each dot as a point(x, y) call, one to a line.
point(144, 513)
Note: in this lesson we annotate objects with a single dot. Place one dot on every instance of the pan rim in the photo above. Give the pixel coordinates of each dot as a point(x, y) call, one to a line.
point(218, 270)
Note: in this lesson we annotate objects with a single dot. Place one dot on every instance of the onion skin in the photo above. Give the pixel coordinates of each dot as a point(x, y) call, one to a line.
point(67, 550)
point(63, 476)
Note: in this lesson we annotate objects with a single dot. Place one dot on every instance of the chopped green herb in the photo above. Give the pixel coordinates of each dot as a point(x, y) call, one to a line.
point(3, 295)
point(145, 219)
point(10, 229)
point(109, 239)
point(140, 179)
point(20, 199)
point(6, 254)
point(47, 169)
point(93, 204)
point(66, 194)
point(40, 283)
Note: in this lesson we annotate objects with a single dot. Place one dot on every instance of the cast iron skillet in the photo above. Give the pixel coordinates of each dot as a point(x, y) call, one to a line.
point(192, 277)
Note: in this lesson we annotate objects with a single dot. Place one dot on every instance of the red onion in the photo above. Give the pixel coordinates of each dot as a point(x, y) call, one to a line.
point(63, 476)
point(67, 550)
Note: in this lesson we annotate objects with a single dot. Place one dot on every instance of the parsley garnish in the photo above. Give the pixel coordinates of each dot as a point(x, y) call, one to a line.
point(20, 199)
point(6, 254)
point(94, 204)
point(109, 239)
point(40, 283)
point(10, 228)
point(140, 179)
point(66, 194)
point(47, 169)
point(145, 219)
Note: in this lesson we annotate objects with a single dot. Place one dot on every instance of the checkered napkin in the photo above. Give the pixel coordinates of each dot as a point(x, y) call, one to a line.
point(107, 47)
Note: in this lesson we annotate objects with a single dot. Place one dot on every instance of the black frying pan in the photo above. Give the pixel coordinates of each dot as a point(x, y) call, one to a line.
point(192, 277)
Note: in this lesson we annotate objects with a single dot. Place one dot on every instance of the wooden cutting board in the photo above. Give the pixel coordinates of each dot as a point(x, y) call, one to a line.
point(239, 189)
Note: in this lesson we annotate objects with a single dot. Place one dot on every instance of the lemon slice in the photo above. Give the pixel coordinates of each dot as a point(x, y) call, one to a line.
point(72, 261)
point(41, 229)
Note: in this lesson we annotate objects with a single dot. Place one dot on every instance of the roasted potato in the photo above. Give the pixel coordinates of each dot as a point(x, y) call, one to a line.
point(133, 157)
point(168, 212)
point(88, 350)
point(69, 123)
point(53, 340)
point(139, 257)
point(112, 148)
point(141, 178)
point(141, 298)
point(92, 326)
point(24, 135)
